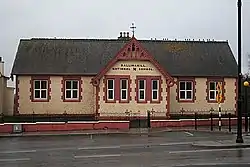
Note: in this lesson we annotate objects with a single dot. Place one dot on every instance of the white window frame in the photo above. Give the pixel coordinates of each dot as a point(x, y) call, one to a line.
point(139, 90)
point(122, 90)
point(214, 91)
point(185, 90)
point(155, 90)
point(71, 89)
point(113, 89)
point(40, 90)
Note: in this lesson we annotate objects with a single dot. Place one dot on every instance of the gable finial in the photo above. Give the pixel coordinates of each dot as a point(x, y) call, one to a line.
point(133, 29)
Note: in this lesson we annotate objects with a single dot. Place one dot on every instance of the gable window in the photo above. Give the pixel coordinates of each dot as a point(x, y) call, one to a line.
point(124, 89)
point(110, 89)
point(40, 89)
point(141, 90)
point(155, 90)
point(71, 89)
point(185, 90)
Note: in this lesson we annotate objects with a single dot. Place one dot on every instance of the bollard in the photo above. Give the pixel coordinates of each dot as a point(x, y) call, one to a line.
point(229, 122)
point(195, 121)
point(149, 124)
point(211, 119)
point(219, 117)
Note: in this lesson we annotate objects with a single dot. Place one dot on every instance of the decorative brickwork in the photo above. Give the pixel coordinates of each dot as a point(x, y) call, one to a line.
point(186, 79)
point(44, 78)
point(80, 90)
point(217, 79)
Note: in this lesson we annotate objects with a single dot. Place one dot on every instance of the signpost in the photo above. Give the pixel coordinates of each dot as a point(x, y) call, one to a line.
point(219, 98)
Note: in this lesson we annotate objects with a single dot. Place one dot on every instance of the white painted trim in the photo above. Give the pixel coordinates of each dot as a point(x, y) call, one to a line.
point(113, 121)
point(80, 122)
point(50, 122)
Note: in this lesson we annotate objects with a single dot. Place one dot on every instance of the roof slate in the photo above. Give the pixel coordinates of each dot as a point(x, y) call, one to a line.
point(89, 56)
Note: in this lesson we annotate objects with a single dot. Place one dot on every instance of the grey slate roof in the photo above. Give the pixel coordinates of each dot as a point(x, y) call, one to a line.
point(89, 56)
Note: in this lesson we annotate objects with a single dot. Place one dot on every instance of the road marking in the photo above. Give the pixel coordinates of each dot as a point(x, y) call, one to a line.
point(210, 164)
point(207, 150)
point(17, 151)
point(16, 159)
point(188, 133)
point(98, 156)
point(133, 145)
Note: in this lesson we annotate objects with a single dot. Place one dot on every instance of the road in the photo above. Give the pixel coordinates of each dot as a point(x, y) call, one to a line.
point(163, 149)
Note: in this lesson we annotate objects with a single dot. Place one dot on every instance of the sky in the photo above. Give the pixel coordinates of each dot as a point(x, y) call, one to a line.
point(172, 19)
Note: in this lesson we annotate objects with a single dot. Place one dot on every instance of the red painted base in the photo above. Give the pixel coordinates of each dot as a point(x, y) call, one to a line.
point(95, 125)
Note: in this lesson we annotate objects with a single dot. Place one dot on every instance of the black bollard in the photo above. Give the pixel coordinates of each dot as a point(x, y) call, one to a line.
point(149, 124)
point(229, 122)
point(211, 119)
point(195, 121)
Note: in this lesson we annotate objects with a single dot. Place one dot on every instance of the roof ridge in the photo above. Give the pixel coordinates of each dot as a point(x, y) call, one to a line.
point(122, 40)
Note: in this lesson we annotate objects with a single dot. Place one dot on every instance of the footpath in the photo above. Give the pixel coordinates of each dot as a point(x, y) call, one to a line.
point(133, 131)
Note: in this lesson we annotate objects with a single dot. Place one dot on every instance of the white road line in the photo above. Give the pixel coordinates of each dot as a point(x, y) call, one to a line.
point(207, 150)
point(133, 145)
point(16, 159)
point(188, 133)
point(99, 156)
point(17, 151)
point(210, 164)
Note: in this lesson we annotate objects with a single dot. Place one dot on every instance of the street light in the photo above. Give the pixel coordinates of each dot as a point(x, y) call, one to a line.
point(239, 138)
point(246, 85)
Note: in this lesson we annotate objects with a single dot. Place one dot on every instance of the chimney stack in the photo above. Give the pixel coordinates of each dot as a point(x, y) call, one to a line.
point(1, 66)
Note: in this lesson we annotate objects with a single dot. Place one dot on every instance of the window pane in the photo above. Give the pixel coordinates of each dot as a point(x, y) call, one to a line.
point(124, 94)
point(141, 94)
point(43, 84)
point(68, 84)
point(188, 85)
point(189, 95)
point(43, 94)
point(212, 86)
point(182, 95)
point(182, 85)
point(75, 84)
point(68, 94)
point(110, 94)
point(212, 94)
point(110, 84)
point(124, 84)
point(37, 94)
point(37, 84)
point(155, 95)
point(75, 93)
point(155, 84)
point(141, 84)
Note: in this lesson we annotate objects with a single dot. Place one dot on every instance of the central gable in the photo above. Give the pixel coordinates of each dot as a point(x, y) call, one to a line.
point(133, 50)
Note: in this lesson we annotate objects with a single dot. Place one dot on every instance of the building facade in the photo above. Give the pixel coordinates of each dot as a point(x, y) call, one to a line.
point(6, 93)
point(124, 77)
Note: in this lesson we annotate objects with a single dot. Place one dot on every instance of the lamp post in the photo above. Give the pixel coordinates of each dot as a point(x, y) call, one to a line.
point(246, 85)
point(239, 138)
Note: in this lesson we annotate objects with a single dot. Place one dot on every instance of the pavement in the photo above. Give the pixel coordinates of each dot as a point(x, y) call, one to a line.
point(168, 149)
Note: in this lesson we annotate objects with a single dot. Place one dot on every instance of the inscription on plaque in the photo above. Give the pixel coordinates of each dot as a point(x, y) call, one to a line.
point(133, 67)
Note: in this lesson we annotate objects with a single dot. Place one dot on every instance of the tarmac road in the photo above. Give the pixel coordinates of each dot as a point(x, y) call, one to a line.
point(163, 149)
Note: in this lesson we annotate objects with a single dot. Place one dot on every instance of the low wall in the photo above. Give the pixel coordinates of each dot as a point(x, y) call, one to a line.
point(98, 125)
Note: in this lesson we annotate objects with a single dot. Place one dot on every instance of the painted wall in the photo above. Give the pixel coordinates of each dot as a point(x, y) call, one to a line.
point(137, 109)
point(6, 97)
point(56, 104)
point(201, 103)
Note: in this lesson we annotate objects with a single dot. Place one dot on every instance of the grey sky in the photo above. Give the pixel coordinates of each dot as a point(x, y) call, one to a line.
point(180, 19)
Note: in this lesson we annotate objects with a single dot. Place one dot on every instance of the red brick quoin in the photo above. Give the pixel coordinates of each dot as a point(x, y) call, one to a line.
point(80, 90)
point(33, 78)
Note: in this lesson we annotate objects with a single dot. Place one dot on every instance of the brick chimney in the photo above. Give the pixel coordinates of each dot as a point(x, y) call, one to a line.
point(1, 66)
point(124, 36)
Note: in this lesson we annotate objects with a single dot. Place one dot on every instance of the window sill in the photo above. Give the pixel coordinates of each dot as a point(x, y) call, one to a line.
point(110, 101)
point(71, 100)
point(186, 101)
point(141, 101)
point(123, 101)
point(40, 100)
point(155, 101)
